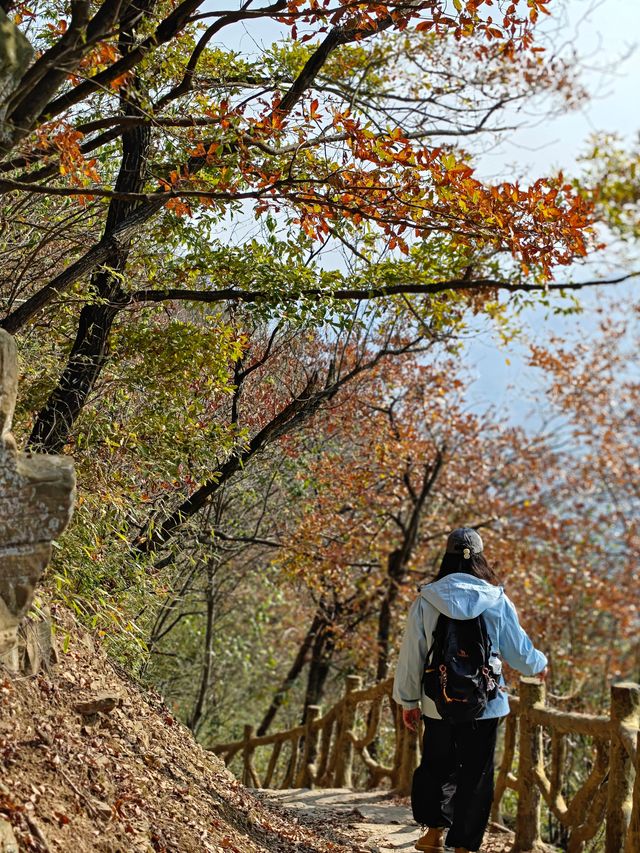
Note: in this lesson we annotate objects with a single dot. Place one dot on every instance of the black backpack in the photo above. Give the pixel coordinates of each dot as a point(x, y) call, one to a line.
point(457, 673)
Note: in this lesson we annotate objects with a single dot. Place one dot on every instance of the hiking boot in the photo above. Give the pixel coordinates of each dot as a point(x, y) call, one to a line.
point(431, 841)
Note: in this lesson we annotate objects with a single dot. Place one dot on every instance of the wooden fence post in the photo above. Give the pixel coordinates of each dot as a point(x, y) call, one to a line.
point(306, 771)
point(408, 759)
point(528, 814)
point(633, 834)
point(249, 775)
point(344, 744)
point(323, 768)
point(625, 711)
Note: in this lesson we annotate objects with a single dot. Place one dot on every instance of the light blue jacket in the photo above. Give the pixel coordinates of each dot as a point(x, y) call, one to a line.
point(462, 596)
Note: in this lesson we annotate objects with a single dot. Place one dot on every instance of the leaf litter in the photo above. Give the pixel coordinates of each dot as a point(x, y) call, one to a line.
point(89, 763)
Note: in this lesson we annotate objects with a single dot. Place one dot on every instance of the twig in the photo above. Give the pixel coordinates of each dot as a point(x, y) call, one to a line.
point(37, 832)
point(79, 793)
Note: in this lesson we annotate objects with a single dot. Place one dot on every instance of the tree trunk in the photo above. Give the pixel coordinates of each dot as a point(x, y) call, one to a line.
point(321, 656)
point(398, 562)
point(205, 676)
point(90, 349)
point(395, 576)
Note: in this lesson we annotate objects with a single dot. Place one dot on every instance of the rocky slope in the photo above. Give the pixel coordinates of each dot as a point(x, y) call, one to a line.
point(90, 763)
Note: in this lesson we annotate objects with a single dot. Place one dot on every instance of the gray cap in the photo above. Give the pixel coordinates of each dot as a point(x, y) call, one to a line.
point(464, 538)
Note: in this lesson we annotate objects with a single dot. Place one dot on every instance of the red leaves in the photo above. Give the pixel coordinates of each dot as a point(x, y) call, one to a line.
point(398, 242)
point(59, 29)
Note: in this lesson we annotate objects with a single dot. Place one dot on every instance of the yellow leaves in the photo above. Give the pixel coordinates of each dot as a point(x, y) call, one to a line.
point(22, 12)
point(451, 164)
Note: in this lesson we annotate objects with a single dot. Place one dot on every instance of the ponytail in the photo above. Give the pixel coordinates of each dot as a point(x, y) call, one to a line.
point(473, 564)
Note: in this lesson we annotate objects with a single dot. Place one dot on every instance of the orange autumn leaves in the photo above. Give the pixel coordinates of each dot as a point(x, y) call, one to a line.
point(61, 138)
point(326, 168)
point(508, 22)
point(559, 508)
point(405, 189)
point(388, 181)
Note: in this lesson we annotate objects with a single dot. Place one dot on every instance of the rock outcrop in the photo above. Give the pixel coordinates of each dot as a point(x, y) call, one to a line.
point(36, 501)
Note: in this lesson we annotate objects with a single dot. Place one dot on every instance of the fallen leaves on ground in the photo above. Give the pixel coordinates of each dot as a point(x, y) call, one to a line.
point(91, 764)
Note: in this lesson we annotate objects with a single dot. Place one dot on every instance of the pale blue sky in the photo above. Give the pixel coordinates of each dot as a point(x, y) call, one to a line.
point(605, 35)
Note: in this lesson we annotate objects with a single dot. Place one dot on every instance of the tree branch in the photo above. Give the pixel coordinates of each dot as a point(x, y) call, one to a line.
point(277, 426)
point(232, 294)
point(164, 32)
point(185, 84)
point(303, 406)
point(48, 73)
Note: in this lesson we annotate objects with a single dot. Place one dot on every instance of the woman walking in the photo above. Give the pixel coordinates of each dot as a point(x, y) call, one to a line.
point(453, 786)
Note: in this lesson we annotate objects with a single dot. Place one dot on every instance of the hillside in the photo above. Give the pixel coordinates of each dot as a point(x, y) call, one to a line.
point(129, 779)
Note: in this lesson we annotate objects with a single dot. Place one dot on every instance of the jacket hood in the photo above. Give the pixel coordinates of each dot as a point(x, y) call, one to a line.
point(461, 596)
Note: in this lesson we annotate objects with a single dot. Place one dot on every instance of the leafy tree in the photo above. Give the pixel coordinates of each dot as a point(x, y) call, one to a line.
point(313, 131)
point(614, 171)
point(171, 356)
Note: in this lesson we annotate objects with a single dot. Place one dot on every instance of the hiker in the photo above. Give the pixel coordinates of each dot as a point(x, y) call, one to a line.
point(453, 786)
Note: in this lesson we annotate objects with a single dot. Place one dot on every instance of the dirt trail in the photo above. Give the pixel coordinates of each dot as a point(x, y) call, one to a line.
point(371, 819)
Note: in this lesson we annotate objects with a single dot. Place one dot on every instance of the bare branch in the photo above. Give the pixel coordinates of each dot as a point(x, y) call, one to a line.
point(232, 294)
point(185, 84)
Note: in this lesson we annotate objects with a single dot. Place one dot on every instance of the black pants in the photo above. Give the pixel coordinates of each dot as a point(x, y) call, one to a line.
point(453, 786)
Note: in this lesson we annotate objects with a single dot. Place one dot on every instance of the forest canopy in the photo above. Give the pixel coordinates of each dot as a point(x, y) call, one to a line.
point(242, 275)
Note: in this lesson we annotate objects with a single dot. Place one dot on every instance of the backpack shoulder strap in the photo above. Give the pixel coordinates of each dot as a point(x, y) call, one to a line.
point(486, 642)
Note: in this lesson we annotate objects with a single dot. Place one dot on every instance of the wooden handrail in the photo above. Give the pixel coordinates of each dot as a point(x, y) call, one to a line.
point(323, 752)
point(277, 737)
point(566, 722)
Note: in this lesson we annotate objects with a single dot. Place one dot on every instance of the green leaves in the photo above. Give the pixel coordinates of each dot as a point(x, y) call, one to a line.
point(613, 179)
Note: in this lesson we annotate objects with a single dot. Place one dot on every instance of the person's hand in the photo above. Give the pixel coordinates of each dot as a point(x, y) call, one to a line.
point(411, 718)
point(544, 674)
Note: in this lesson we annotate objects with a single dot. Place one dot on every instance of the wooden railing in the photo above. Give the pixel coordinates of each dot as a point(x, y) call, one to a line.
point(337, 750)
point(533, 761)
point(322, 752)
